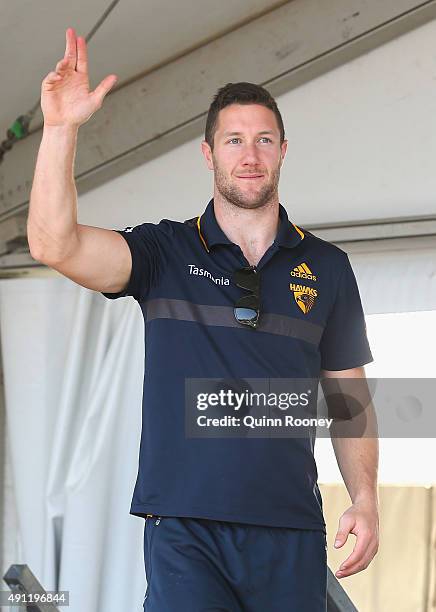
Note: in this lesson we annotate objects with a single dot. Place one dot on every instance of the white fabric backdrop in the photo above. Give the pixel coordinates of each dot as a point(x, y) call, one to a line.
point(398, 280)
point(73, 366)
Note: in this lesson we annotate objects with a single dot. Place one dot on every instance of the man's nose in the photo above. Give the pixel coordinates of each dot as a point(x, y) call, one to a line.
point(250, 154)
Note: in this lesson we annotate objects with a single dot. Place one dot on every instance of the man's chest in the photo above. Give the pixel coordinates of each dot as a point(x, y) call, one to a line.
point(293, 283)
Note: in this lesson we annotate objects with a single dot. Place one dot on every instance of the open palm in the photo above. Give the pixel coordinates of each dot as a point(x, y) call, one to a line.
point(65, 95)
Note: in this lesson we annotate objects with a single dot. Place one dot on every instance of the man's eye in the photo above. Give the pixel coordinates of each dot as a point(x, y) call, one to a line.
point(232, 140)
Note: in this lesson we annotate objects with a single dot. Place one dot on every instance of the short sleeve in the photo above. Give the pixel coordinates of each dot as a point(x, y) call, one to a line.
point(344, 343)
point(149, 245)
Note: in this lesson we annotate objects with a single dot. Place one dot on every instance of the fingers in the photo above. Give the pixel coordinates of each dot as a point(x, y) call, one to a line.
point(66, 63)
point(62, 66)
point(82, 55)
point(52, 77)
point(359, 558)
point(71, 48)
point(357, 567)
point(346, 524)
point(104, 87)
point(341, 538)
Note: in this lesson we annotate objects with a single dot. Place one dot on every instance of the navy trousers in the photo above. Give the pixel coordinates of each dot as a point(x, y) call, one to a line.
point(202, 565)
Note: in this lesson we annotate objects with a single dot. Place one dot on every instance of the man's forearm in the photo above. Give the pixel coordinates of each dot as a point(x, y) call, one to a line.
point(52, 220)
point(358, 462)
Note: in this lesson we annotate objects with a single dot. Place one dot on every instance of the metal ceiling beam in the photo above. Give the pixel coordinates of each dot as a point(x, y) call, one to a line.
point(362, 231)
point(167, 107)
point(358, 237)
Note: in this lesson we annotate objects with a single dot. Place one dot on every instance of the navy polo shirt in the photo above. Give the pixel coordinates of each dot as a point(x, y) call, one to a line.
point(311, 318)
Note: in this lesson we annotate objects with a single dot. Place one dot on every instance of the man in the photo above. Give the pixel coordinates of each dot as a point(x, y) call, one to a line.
point(232, 523)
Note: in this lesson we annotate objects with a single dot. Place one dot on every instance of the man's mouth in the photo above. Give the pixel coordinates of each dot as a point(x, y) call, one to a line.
point(249, 176)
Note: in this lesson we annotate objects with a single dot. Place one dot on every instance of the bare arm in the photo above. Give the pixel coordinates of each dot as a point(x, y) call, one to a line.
point(93, 257)
point(357, 459)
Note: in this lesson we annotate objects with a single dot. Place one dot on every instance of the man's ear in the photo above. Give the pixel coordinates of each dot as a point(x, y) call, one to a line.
point(207, 153)
point(283, 149)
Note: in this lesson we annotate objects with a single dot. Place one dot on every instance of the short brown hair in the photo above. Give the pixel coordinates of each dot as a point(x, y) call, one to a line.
point(240, 93)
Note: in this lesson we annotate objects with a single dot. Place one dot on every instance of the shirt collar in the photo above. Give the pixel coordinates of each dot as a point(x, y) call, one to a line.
point(210, 233)
point(289, 235)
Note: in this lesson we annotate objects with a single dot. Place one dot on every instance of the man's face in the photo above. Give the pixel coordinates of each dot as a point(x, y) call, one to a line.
point(247, 155)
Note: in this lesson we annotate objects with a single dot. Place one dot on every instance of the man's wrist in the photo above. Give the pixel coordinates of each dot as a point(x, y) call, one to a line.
point(61, 130)
point(366, 496)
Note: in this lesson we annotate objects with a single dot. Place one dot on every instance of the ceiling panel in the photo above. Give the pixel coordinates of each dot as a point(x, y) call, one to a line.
point(136, 37)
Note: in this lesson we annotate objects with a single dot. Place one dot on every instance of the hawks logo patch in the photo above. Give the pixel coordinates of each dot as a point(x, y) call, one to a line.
point(304, 296)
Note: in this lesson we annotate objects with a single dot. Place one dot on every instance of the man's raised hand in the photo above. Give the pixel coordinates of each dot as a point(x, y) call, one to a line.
point(65, 96)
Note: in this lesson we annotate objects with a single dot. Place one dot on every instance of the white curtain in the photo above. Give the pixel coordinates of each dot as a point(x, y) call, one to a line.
point(73, 368)
point(401, 279)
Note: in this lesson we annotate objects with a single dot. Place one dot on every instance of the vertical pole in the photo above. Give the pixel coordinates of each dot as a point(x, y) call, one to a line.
point(2, 468)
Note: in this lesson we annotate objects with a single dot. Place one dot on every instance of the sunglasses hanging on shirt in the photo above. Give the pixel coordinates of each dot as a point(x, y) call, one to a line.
point(247, 308)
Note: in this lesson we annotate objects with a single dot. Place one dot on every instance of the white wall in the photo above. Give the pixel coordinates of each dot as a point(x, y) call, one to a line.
point(362, 144)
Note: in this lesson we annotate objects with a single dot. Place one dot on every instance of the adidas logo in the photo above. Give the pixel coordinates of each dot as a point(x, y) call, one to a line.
point(303, 271)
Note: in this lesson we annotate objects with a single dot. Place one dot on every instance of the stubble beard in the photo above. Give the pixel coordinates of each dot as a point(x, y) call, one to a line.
point(236, 196)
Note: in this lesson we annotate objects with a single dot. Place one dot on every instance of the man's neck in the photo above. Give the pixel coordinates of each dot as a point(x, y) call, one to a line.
point(254, 230)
